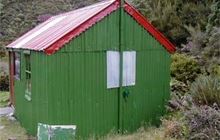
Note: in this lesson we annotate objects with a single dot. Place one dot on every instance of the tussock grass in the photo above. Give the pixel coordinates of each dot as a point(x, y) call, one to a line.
point(151, 133)
point(4, 98)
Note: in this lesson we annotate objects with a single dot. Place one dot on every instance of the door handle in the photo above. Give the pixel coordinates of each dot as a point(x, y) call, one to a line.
point(126, 94)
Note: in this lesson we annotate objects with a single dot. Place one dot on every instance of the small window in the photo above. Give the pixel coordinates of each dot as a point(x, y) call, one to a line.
point(28, 76)
point(113, 69)
point(129, 68)
point(17, 62)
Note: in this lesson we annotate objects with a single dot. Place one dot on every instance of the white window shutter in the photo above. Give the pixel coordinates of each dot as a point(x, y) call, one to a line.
point(113, 69)
point(129, 68)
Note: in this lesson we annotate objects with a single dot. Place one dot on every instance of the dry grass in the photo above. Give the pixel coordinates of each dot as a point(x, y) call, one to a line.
point(4, 98)
point(151, 133)
point(11, 130)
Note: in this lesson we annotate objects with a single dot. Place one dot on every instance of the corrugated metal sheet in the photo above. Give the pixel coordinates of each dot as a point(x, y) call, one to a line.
point(147, 99)
point(51, 35)
point(47, 33)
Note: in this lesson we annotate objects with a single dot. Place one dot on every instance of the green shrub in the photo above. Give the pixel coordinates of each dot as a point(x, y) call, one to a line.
point(205, 44)
point(211, 53)
point(177, 102)
point(4, 99)
point(175, 126)
point(191, 120)
point(2, 52)
point(204, 122)
point(4, 82)
point(184, 68)
point(170, 16)
point(178, 87)
point(216, 70)
point(206, 90)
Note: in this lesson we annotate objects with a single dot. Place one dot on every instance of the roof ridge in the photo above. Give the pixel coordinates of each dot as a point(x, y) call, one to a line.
point(85, 8)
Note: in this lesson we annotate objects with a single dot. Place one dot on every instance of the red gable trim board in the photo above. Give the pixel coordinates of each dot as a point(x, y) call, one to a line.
point(53, 34)
point(149, 27)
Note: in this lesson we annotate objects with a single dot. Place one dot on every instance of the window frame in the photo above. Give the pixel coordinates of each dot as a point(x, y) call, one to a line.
point(28, 74)
point(17, 72)
point(129, 68)
point(113, 69)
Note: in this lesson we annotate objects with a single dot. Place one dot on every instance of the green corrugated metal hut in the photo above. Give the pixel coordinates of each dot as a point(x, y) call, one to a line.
point(100, 68)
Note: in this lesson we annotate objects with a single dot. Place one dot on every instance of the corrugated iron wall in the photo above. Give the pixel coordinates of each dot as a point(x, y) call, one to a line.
point(146, 102)
point(69, 87)
point(77, 92)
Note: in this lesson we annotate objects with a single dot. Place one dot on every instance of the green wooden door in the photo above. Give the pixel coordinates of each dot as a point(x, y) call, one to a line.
point(135, 101)
point(132, 92)
point(144, 101)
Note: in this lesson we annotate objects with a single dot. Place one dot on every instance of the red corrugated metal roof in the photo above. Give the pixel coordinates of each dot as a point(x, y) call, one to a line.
point(51, 35)
point(47, 33)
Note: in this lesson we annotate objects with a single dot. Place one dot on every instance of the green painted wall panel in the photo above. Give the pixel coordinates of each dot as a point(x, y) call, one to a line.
point(69, 87)
point(103, 36)
point(147, 98)
point(82, 98)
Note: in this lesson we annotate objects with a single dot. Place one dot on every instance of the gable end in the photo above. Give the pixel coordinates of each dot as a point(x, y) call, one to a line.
point(149, 27)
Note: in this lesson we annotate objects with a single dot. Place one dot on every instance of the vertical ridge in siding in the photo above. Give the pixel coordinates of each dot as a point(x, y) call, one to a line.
point(146, 102)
